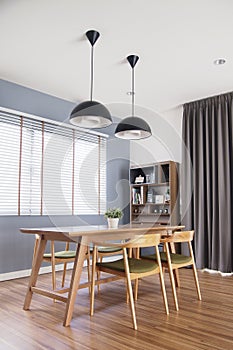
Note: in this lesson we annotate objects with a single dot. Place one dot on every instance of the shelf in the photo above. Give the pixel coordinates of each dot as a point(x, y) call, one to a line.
point(160, 182)
point(157, 203)
point(150, 222)
point(158, 214)
point(150, 184)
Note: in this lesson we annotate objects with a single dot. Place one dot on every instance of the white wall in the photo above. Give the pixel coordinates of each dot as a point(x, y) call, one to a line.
point(165, 142)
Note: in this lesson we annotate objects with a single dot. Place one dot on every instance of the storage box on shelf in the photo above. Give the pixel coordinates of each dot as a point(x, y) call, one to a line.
point(155, 194)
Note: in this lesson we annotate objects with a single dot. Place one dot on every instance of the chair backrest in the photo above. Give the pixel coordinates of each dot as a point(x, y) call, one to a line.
point(179, 236)
point(142, 241)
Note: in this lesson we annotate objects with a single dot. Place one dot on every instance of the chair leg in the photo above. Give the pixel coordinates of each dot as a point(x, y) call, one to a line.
point(65, 267)
point(196, 281)
point(136, 289)
point(171, 277)
point(195, 271)
point(137, 256)
point(175, 271)
point(89, 270)
point(164, 292)
point(177, 277)
point(162, 284)
point(98, 274)
point(129, 289)
point(127, 294)
point(64, 275)
point(94, 253)
point(53, 265)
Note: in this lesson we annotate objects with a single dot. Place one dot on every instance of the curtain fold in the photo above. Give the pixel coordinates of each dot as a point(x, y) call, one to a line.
point(207, 180)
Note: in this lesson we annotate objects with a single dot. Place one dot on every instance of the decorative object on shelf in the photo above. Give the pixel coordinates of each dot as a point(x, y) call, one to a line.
point(133, 128)
point(150, 193)
point(159, 199)
point(161, 211)
point(167, 196)
point(165, 211)
point(152, 178)
point(113, 215)
point(138, 195)
point(147, 178)
point(91, 114)
point(139, 179)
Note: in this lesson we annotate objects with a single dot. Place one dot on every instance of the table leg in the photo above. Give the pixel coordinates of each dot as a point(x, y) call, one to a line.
point(75, 279)
point(37, 260)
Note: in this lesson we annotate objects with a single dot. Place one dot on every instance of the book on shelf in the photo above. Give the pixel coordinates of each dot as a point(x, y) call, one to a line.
point(137, 195)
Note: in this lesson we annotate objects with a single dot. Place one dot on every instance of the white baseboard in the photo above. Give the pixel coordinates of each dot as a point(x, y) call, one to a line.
point(25, 273)
point(224, 274)
point(45, 269)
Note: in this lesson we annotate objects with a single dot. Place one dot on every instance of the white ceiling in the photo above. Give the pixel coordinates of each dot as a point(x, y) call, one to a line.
point(43, 47)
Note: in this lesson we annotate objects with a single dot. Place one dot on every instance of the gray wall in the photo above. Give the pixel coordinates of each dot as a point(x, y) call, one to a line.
point(16, 248)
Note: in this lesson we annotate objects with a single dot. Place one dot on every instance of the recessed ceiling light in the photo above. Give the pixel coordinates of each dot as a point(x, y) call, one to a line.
point(220, 61)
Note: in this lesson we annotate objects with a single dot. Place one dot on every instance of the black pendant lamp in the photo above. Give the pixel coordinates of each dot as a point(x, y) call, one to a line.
point(133, 128)
point(91, 114)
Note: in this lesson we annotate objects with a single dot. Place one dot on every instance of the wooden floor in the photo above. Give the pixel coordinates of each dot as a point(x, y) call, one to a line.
point(198, 325)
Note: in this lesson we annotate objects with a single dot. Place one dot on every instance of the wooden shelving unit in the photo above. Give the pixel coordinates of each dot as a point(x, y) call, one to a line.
point(155, 193)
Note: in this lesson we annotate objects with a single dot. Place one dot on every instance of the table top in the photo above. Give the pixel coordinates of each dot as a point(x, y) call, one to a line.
point(101, 232)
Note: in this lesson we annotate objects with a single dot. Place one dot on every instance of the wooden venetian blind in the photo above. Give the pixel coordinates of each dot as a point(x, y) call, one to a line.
point(89, 196)
point(48, 169)
point(9, 164)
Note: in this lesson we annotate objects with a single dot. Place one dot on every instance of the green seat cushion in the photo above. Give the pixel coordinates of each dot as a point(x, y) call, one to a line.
point(109, 249)
point(175, 258)
point(65, 254)
point(149, 256)
point(135, 265)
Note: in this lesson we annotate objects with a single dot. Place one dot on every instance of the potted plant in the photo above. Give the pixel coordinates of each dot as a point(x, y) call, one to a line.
point(113, 215)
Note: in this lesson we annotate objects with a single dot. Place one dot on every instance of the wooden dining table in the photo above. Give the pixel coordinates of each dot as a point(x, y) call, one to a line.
point(83, 236)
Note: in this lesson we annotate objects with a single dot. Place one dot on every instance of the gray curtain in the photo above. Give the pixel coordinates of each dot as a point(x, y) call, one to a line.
point(207, 180)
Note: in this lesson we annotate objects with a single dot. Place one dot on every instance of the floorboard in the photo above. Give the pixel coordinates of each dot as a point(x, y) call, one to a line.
point(197, 326)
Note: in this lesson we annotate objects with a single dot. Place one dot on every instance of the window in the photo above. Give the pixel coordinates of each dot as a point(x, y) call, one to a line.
point(9, 165)
point(90, 162)
point(57, 170)
point(30, 168)
point(48, 169)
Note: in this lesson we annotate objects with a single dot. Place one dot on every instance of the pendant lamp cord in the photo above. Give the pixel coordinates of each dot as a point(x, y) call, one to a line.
point(92, 71)
point(133, 92)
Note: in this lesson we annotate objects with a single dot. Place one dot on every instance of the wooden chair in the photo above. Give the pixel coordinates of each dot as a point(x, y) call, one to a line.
point(104, 252)
point(60, 257)
point(131, 269)
point(173, 261)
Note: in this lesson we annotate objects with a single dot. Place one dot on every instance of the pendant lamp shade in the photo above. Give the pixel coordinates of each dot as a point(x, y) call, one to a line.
point(132, 128)
point(91, 114)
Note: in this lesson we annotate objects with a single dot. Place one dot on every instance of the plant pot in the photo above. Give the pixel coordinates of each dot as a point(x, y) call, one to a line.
point(113, 222)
